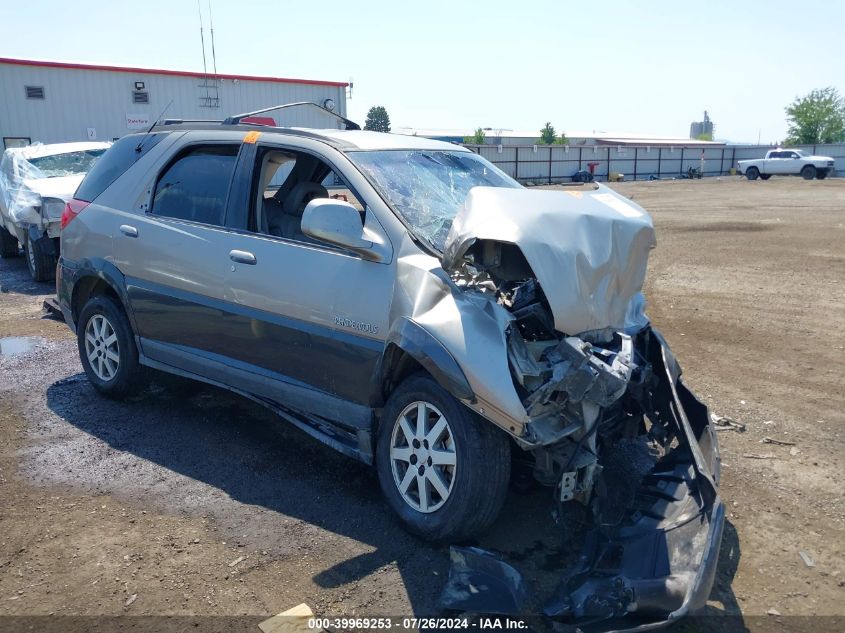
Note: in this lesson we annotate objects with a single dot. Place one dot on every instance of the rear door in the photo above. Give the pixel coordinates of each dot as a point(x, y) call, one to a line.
point(175, 256)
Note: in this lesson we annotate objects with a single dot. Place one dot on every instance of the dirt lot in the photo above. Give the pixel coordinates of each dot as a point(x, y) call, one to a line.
point(191, 501)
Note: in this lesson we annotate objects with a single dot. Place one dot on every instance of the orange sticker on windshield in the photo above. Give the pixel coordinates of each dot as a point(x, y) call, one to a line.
point(575, 194)
point(251, 137)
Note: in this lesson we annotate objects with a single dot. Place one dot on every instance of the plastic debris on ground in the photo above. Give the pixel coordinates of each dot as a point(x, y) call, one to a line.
point(481, 582)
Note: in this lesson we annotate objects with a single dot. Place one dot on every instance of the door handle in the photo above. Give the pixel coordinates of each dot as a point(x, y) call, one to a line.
point(243, 257)
point(128, 231)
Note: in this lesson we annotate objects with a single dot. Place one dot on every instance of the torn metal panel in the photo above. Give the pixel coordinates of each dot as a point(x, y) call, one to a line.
point(481, 582)
point(588, 251)
point(659, 562)
point(471, 326)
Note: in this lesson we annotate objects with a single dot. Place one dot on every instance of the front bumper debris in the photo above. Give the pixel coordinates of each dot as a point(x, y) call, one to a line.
point(659, 562)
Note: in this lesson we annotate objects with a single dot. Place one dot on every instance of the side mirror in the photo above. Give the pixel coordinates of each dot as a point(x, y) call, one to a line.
point(335, 222)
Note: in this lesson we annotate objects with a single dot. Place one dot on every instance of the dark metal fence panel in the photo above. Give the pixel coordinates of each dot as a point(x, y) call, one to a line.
point(558, 163)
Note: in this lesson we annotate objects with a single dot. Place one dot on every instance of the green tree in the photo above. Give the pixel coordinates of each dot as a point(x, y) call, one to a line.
point(548, 134)
point(704, 136)
point(377, 120)
point(478, 138)
point(818, 117)
point(562, 139)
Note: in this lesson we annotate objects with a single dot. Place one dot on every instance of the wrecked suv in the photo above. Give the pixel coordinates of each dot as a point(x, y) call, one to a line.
point(410, 305)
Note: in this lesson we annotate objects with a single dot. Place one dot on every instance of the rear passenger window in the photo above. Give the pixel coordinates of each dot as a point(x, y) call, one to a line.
point(117, 159)
point(196, 185)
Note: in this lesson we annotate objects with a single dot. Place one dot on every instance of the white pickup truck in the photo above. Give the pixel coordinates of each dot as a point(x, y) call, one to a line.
point(787, 162)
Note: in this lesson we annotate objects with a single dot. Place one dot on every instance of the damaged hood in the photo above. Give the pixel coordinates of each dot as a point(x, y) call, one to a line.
point(62, 187)
point(587, 248)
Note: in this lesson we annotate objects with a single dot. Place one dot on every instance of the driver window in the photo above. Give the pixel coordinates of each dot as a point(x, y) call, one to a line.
point(285, 182)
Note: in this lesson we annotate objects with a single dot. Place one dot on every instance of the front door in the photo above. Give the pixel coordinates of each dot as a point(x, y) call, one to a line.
point(310, 314)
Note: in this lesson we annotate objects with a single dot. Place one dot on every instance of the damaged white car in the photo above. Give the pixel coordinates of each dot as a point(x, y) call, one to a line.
point(35, 183)
point(407, 303)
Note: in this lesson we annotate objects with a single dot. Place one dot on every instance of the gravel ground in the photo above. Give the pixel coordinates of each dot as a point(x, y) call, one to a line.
point(189, 500)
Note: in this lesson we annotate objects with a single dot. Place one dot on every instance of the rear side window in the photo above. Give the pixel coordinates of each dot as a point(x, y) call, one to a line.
point(195, 186)
point(111, 165)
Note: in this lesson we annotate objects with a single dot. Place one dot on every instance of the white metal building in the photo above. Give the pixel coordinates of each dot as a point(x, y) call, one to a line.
point(56, 102)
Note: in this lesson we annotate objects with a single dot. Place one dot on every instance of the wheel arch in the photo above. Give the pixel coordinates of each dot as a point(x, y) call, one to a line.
point(409, 349)
point(99, 277)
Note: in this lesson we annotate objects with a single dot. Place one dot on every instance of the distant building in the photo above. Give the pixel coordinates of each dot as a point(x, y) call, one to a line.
point(699, 128)
point(505, 137)
point(57, 102)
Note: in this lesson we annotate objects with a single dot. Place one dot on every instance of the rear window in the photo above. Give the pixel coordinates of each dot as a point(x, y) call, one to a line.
point(111, 165)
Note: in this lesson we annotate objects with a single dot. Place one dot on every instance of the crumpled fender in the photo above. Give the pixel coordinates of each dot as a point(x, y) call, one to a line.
point(418, 343)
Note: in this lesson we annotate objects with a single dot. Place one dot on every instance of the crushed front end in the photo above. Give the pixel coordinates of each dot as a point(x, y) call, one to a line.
point(577, 264)
point(659, 561)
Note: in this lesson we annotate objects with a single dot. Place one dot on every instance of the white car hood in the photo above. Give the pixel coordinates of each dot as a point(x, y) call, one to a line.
point(61, 187)
point(587, 247)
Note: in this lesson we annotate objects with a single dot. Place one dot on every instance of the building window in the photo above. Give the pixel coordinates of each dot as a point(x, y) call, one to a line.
point(35, 92)
point(139, 96)
point(16, 141)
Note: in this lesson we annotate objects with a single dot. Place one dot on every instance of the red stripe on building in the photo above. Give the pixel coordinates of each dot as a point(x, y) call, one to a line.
point(157, 71)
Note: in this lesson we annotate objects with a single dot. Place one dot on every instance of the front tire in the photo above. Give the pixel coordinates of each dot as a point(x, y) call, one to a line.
point(752, 173)
point(107, 349)
point(41, 263)
point(809, 172)
point(8, 244)
point(443, 470)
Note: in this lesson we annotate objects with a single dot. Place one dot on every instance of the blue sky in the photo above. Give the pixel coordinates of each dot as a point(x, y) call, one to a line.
point(649, 67)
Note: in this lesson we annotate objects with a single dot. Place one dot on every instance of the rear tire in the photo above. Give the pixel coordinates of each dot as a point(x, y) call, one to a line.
point(809, 172)
point(765, 176)
point(450, 485)
point(107, 349)
point(752, 173)
point(41, 264)
point(9, 246)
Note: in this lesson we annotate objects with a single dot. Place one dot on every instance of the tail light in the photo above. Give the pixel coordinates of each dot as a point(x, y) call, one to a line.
point(72, 209)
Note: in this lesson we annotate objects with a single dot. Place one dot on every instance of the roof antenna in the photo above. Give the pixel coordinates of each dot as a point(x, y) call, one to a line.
point(140, 145)
point(213, 56)
point(202, 41)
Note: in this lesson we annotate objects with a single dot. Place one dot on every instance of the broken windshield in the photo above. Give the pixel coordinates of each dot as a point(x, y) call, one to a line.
point(428, 187)
point(67, 164)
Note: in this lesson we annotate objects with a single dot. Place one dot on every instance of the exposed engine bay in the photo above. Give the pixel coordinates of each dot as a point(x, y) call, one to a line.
point(576, 391)
point(608, 376)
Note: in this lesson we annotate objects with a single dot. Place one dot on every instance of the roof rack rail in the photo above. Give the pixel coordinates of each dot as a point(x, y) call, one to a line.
point(181, 121)
point(234, 120)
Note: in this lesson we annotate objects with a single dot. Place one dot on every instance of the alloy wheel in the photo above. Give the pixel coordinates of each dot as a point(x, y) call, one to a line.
point(101, 347)
point(422, 457)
